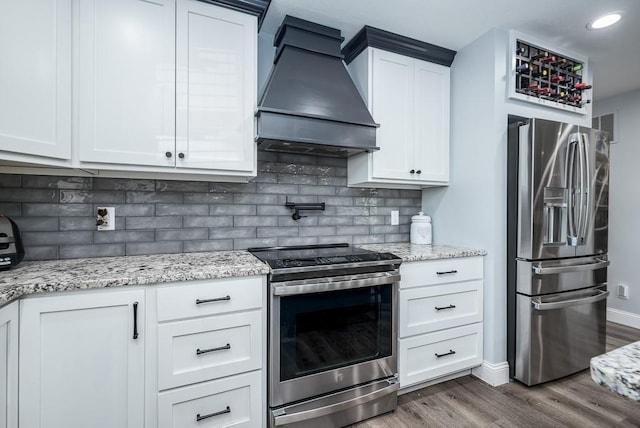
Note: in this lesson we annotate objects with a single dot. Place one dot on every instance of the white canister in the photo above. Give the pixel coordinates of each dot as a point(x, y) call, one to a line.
point(421, 229)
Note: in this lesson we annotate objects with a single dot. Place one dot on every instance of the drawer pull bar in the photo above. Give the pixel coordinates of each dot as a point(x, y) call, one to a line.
point(210, 415)
point(206, 351)
point(451, 352)
point(217, 299)
point(445, 307)
point(447, 272)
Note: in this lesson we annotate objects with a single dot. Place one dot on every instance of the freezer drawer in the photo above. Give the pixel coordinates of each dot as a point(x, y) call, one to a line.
point(557, 276)
point(557, 335)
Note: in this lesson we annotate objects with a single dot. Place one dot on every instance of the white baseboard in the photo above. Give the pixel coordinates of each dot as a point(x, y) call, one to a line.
point(625, 318)
point(493, 374)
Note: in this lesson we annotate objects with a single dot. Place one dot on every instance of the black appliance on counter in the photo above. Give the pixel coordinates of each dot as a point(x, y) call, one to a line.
point(11, 249)
point(332, 334)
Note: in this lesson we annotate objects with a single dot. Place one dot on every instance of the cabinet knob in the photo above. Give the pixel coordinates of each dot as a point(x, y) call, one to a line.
point(168, 154)
point(181, 155)
point(418, 172)
point(413, 171)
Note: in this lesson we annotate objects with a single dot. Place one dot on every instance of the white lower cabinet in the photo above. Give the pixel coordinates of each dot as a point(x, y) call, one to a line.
point(211, 351)
point(234, 401)
point(82, 360)
point(208, 348)
point(429, 356)
point(440, 318)
point(9, 366)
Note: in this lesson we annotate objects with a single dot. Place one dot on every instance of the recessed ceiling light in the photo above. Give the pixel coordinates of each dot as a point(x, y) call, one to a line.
point(603, 21)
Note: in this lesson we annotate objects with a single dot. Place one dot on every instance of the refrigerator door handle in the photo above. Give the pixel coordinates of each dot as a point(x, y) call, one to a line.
point(572, 232)
point(599, 264)
point(537, 304)
point(585, 188)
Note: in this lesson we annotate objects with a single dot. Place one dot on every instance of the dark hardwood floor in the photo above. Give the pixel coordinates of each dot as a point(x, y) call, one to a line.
point(575, 401)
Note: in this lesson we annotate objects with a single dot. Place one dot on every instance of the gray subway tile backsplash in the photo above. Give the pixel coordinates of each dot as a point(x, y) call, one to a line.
point(57, 215)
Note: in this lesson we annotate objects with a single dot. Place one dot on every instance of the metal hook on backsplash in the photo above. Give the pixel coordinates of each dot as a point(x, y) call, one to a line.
point(300, 207)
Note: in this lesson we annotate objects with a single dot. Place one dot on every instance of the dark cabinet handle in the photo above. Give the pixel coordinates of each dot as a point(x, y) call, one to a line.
point(135, 320)
point(445, 307)
point(448, 272)
point(210, 415)
point(181, 155)
point(217, 299)
point(413, 171)
point(451, 352)
point(206, 351)
point(168, 154)
point(418, 172)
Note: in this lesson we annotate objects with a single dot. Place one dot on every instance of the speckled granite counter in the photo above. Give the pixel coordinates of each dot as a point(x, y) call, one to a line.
point(412, 252)
point(619, 370)
point(63, 275)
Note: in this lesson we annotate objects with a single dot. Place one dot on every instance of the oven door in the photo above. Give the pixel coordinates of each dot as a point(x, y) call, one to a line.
point(331, 333)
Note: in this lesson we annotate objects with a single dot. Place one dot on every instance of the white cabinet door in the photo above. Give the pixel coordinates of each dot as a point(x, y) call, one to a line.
point(126, 81)
point(216, 61)
point(392, 107)
point(431, 121)
point(80, 365)
point(9, 366)
point(35, 77)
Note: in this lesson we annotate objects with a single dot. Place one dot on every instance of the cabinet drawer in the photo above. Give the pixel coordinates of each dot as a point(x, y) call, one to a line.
point(416, 274)
point(189, 300)
point(458, 349)
point(436, 307)
point(234, 401)
point(208, 348)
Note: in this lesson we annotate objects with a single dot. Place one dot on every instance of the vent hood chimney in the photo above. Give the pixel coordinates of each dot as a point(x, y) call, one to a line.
point(310, 105)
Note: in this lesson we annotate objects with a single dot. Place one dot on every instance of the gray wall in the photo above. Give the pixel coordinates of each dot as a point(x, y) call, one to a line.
point(56, 215)
point(624, 203)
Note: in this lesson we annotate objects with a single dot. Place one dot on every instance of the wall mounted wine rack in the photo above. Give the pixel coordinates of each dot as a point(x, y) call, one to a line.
point(548, 77)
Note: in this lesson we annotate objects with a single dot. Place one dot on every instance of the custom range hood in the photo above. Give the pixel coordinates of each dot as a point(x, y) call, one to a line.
point(310, 105)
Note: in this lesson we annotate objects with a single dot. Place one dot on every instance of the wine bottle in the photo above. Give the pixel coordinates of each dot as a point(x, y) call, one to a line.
point(540, 55)
point(544, 91)
point(549, 59)
point(523, 68)
point(521, 50)
point(562, 62)
point(575, 98)
point(540, 73)
point(533, 88)
point(557, 78)
point(576, 67)
point(582, 86)
point(560, 95)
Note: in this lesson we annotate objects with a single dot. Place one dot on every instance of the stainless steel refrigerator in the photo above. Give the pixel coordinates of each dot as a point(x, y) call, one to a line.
point(558, 184)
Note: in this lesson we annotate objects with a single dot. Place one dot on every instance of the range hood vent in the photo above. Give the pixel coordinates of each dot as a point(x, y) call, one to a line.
point(310, 105)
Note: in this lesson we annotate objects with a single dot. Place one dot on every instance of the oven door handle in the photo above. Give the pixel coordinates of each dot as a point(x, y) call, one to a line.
point(282, 289)
point(285, 419)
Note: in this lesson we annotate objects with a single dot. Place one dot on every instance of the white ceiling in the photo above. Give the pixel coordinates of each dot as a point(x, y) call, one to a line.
point(615, 51)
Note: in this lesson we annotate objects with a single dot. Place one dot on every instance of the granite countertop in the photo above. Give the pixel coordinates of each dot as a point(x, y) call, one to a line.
point(619, 370)
point(63, 275)
point(414, 252)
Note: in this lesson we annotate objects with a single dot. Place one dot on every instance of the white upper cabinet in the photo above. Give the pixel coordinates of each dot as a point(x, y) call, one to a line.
point(126, 82)
point(35, 78)
point(165, 83)
point(129, 88)
point(409, 98)
point(216, 60)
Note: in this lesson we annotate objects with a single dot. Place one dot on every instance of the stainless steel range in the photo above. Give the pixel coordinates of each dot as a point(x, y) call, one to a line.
point(332, 334)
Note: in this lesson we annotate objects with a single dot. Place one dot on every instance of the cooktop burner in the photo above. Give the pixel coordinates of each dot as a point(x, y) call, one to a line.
point(316, 255)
